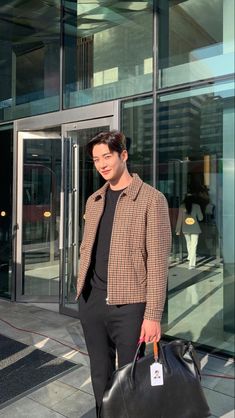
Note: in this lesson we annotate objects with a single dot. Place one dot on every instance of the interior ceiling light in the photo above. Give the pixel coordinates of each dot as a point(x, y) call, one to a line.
point(96, 17)
point(135, 6)
point(86, 8)
point(88, 25)
point(132, 5)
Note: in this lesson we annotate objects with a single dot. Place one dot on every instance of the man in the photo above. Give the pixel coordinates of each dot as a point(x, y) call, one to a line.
point(123, 263)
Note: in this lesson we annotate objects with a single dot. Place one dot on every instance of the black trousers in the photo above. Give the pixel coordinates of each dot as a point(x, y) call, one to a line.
point(108, 329)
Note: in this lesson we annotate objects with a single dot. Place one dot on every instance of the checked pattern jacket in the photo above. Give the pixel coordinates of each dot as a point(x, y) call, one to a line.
point(139, 248)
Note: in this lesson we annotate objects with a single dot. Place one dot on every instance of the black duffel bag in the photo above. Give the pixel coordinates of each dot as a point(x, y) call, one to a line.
point(131, 395)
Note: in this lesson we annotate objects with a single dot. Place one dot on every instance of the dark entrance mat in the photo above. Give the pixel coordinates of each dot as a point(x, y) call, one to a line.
point(24, 367)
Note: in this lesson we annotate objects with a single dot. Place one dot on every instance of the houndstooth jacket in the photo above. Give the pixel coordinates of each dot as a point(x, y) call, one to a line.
point(139, 248)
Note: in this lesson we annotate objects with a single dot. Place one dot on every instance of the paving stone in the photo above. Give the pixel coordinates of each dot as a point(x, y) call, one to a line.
point(27, 408)
point(79, 379)
point(71, 395)
point(78, 405)
point(51, 394)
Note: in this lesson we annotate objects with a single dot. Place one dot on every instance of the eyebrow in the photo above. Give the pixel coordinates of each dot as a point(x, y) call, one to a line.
point(103, 155)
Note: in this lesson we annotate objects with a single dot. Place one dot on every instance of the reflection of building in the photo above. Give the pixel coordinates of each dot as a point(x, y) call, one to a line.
point(67, 72)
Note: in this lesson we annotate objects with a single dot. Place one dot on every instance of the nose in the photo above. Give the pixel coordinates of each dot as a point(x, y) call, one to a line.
point(103, 164)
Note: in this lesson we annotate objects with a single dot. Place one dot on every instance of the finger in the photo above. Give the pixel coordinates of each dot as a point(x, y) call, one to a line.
point(142, 335)
point(158, 335)
point(153, 339)
point(149, 339)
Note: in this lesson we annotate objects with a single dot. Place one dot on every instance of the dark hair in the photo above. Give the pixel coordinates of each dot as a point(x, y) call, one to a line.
point(188, 203)
point(115, 140)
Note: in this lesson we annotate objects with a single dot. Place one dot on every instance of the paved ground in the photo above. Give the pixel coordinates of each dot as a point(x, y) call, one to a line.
point(71, 395)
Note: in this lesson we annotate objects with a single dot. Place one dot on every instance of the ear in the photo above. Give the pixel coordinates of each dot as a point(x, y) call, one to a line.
point(124, 155)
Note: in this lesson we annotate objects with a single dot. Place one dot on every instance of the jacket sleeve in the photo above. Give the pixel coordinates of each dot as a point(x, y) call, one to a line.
point(179, 220)
point(88, 203)
point(158, 246)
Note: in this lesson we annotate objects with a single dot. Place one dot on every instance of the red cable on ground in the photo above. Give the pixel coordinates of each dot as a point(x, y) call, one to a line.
point(222, 376)
point(46, 336)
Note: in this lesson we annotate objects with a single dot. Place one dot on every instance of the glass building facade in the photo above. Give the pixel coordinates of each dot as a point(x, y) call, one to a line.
point(163, 72)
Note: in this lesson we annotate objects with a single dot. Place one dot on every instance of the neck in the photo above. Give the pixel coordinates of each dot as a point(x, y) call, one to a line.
point(124, 181)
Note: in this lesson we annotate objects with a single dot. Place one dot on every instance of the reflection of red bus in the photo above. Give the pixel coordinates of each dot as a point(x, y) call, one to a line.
point(39, 194)
point(33, 213)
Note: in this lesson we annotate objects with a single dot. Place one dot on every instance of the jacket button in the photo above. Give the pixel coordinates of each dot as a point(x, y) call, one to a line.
point(107, 300)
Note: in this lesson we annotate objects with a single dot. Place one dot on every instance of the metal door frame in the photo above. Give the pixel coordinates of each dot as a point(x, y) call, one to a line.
point(28, 128)
point(18, 225)
point(66, 217)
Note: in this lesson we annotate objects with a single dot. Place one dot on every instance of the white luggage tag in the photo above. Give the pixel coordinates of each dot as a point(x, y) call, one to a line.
point(156, 374)
point(156, 370)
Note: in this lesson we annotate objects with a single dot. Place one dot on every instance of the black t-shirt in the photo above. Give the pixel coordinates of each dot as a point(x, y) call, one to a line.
point(100, 254)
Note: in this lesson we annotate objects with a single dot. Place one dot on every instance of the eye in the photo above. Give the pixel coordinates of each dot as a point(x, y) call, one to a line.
point(107, 156)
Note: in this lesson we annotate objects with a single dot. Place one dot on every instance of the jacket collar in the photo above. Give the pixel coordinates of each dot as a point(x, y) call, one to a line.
point(132, 190)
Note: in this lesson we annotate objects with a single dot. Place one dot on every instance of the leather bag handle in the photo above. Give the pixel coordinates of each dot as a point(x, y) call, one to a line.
point(156, 349)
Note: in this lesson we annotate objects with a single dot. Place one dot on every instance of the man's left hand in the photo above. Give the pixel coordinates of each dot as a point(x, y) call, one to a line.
point(150, 331)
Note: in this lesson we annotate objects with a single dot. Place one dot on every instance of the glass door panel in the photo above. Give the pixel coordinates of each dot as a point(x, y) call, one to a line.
point(39, 179)
point(80, 180)
point(6, 175)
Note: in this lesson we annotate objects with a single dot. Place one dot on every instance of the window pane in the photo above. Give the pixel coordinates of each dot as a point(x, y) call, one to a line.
point(41, 217)
point(6, 175)
point(196, 40)
point(196, 156)
point(107, 50)
point(137, 121)
point(29, 58)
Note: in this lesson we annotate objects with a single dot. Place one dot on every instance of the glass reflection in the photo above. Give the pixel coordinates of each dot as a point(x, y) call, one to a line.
point(195, 148)
point(107, 50)
point(41, 215)
point(6, 176)
point(29, 58)
point(196, 40)
point(137, 126)
point(195, 155)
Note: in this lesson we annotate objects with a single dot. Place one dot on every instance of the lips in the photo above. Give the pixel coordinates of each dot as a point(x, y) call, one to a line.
point(105, 172)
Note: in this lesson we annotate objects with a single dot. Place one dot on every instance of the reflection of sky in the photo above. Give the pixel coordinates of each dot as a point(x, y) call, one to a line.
point(207, 51)
point(198, 69)
point(224, 90)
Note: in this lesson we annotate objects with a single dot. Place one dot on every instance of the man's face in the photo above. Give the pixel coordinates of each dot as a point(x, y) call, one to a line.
point(108, 163)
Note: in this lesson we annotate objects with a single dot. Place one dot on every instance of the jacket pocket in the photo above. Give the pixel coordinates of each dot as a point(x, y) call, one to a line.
point(139, 264)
